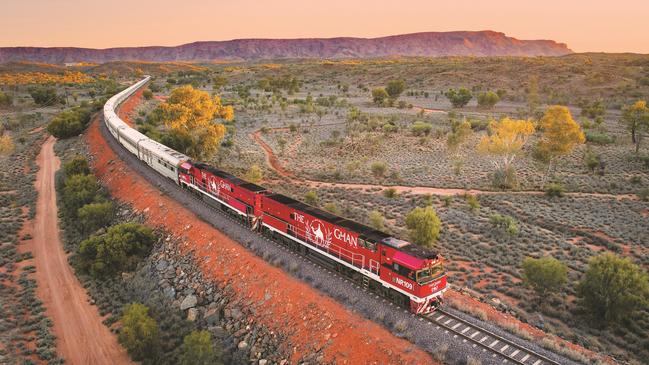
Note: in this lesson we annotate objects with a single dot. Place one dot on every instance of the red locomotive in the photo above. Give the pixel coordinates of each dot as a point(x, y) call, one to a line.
point(408, 274)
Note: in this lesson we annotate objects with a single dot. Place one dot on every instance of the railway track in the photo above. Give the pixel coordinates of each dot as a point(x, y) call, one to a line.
point(489, 341)
point(507, 350)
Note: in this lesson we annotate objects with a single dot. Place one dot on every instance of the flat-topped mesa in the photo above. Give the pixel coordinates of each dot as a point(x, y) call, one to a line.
point(426, 44)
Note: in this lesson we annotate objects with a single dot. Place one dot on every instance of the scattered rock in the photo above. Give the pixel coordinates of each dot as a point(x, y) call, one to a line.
point(192, 314)
point(242, 345)
point(189, 302)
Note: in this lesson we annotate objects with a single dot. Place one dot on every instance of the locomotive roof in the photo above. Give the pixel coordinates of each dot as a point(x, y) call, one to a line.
point(233, 179)
point(350, 225)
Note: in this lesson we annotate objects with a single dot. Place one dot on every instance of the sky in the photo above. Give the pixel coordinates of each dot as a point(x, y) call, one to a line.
point(585, 25)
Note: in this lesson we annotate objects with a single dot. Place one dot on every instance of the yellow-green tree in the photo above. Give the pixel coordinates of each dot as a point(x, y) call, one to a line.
point(560, 134)
point(139, 333)
point(636, 119)
point(189, 113)
point(198, 349)
point(423, 226)
point(506, 141)
point(6, 145)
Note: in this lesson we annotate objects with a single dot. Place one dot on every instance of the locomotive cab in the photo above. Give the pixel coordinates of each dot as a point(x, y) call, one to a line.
point(416, 273)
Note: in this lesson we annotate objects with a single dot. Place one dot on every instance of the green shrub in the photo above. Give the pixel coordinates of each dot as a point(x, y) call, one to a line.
point(504, 223)
point(423, 226)
point(555, 190)
point(254, 174)
point(488, 99)
point(119, 249)
point(390, 193)
point(70, 123)
point(376, 220)
point(147, 94)
point(198, 349)
point(599, 138)
point(332, 208)
point(379, 168)
point(613, 287)
point(45, 96)
point(545, 275)
point(311, 197)
point(6, 100)
point(420, 128)
point(473, 202)
point(77, 166)
point(95, 215)
point(78, 191)
point(139, 333)
point(459, 98)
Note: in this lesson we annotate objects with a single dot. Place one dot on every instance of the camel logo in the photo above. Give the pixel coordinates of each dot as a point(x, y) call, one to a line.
point(318, 233)
point(214, 186)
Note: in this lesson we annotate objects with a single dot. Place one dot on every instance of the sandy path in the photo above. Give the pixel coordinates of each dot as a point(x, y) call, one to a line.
point(82, 338)
point(273, 162)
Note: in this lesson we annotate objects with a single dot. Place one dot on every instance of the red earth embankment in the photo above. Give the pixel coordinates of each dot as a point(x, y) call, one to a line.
point(310, 320)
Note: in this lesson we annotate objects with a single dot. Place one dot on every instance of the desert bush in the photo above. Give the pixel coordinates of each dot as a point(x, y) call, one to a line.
point(311, 197)
point(139, 333)
point(76, 166)
point(644, 194)
point(395, 88)
point(555, 190)
point(147, 94)
point(254, 174)
point(423, 226)
point(390, 193)
point(505, 178)
point(473, 202)
point(459, 98)
point(45, 96)
point(376, 220)
point(599, 138)
point(613, 287)
point(332, 208)
point(379, 96)
point(379, 168)
point(78, 191)
point(198, 349)
point(7, 146)
point(70, 123)
point(117, 250)
point(545, 275)
point(95, 215)
point(504, 223)
point(488, 99)
point(6, 100)
point(420, 128)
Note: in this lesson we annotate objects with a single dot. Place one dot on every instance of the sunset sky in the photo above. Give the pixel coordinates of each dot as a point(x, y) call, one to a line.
point(585, 25)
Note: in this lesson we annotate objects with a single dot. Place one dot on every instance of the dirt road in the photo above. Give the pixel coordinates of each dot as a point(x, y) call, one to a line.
point(82, 338)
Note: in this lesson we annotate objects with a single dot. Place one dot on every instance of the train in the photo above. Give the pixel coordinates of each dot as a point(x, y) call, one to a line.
point(409, 275)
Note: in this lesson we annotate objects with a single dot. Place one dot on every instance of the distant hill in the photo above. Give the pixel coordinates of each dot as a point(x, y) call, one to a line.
point(429, 44)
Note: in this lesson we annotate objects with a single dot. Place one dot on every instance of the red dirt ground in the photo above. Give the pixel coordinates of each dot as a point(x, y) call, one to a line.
point(311, 320)
point(82, 337)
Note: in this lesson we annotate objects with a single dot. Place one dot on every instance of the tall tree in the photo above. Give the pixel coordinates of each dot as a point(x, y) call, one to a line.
point(189, 112)
point(423, 226)
point(560, 134)
point(636, 119)
point(506, 141)
point(613, 287)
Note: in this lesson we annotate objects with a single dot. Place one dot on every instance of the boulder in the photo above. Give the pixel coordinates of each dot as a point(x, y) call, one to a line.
point(189, 302)
point(192, 314)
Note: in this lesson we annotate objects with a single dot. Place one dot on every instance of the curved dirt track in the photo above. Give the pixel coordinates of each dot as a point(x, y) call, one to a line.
point(274, 163)
point(82, 337)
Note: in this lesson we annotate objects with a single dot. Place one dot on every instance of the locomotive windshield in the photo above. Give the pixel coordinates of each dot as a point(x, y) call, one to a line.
point(427, 275)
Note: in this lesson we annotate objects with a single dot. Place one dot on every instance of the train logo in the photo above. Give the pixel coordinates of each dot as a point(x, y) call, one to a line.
point(318, 233)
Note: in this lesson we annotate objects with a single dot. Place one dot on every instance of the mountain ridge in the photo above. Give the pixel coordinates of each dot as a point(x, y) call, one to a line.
point(427, 44)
